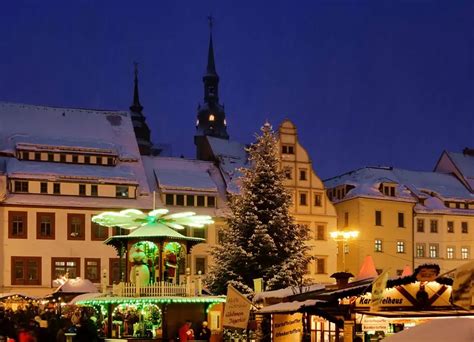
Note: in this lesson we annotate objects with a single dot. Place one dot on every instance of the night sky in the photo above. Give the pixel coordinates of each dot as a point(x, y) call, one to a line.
point(366, 83)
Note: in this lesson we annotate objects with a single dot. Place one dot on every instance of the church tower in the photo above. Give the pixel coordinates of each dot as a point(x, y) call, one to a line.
point(211, 116)
point(142, 131)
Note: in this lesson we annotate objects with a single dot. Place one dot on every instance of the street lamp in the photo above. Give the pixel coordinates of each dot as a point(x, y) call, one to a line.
point(344, 236)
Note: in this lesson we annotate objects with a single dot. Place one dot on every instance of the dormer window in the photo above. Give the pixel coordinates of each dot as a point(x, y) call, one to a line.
point(211, 117)
point(387, 189)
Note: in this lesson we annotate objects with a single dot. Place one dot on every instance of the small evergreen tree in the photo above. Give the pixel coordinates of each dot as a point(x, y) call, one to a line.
point(261, 240)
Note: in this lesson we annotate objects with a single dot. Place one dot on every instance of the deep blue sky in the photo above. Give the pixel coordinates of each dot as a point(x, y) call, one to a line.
point(366, 83)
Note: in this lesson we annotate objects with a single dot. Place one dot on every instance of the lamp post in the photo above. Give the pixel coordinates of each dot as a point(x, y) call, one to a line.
point(344, 236)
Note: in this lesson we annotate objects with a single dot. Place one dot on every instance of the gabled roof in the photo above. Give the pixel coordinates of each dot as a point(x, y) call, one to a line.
point(183, 175)
point(366, 182)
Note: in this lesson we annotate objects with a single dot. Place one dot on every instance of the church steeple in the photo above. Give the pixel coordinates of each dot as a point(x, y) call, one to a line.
point(136, 106)
point(142, 131)
point(211, 116)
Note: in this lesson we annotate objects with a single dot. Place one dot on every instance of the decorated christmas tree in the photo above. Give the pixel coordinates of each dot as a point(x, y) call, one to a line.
point(261, 240)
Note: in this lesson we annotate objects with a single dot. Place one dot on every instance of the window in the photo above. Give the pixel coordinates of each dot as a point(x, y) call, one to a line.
point(286, 149)
point(120, 231)
point(87, 159)
point(62, 266)
point(56, 188)
point(110, 161)
point(18, 224)
point(211, 201)
point(45, 226)
point(303, 175)
point(378, 218)
point(50, 157)
point(464, 228)
point(199, 233)
point(169, 199)
point(303, 199)
point(25, 270)
point(44, 187)
point(450, 226)
point(200, 265)
point(37, 156)
point(94, 190)
point(346, 248)
point(211, 117)
point(98, 232)
point(346, 219)
point(62, 158)
point(320, 232)
point(387, 190)
point(449, 252)
point(75, 158)
point(220, 235)
point(464, 252)
point(190, 201)
point(434, 250)
point(378, 246)
point(98, 160)
point(433, 226)
point(399, 272)
point(116, 269)
point(401, 220)
point(82, 189)
point(75, 226)
point(121, 191)
point(21, 186)
point(318, 200)
point(180, 200)
point(420, 225)
point(420, 250)
point(92, 269)
point(287, 171)
point(400, 246)
point(200, 201)
point(320, 265)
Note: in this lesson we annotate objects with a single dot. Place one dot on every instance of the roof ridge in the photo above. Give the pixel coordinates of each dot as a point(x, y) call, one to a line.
point(44, 107)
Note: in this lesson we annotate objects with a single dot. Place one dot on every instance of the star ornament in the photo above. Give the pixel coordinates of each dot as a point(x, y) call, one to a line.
point(133, 218)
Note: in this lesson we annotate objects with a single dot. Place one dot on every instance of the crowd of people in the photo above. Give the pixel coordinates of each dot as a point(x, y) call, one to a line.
point(34, 325)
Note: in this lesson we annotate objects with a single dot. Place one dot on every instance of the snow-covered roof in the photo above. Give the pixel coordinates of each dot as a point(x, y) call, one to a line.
point(68, 127)
point(465, 164)
point(77, 285)
point(289, 306)
point(55, 172)
point(367, 181)
point(287, 292)
point(88, 131)
point(179, 174)
point(232, 156)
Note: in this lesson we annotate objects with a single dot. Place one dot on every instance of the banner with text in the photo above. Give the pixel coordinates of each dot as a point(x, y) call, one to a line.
point(237, 309)
point(287, 328)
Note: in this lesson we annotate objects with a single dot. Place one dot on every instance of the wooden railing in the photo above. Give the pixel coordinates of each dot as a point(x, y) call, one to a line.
point(159, 289)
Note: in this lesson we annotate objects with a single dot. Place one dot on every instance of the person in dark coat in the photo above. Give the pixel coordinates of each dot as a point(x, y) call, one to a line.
point(204, 333)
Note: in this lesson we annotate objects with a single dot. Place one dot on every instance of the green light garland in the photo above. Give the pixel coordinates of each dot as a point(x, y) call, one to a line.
point(145, 300)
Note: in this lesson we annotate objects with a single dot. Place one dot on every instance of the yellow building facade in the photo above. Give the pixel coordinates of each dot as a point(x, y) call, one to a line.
point(311, 206)
point(404, 218)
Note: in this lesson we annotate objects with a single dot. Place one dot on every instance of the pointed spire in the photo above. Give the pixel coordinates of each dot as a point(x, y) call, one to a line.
point(136, 106)
point(211, 65)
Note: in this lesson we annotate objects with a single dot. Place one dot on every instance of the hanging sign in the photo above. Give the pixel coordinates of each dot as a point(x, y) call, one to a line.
point(237, 309)
point(287, 328)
